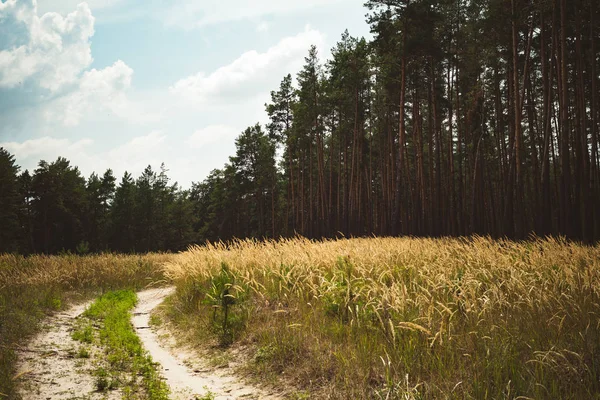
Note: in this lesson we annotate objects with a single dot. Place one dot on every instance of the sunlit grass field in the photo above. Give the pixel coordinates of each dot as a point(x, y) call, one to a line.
point(31, 287)
point(379, 318)
point(402, 318)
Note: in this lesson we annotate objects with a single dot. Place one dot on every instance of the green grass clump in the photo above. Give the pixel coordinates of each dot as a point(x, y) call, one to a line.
point(123, 348)
point(83, 353)
point(207, 396)
point(83, 333)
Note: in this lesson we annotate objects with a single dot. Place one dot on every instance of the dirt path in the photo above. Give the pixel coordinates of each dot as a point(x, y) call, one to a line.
point(50, 367)
point(185, 373)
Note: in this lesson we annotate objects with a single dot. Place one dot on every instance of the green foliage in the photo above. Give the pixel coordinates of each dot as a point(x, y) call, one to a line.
point(10, 229)
point(59, 201)
point(280, 111)
point(100, 193)
point(83, 352)
point(56, 211)
point(84, 333)
point(227, 301)
point(122, 229)
point(155, 320)
point(265, 354)
point(124, 352)
point(124, 300)
point(207, 396)
point(300, 395)
point(102, 379)
point(82, 248)
point(55, 303)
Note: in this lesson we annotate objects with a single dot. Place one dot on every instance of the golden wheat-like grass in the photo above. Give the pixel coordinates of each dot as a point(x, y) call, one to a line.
point(395, 273)
point(74, 271)
point(516, 313)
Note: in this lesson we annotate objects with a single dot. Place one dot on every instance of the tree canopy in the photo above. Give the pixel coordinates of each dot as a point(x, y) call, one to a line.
point(459, 117)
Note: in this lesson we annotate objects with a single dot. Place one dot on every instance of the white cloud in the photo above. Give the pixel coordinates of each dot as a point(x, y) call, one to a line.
point(57, 51)
point(46, 147)
point(53, 65)
point(65, 6)
point(23, 10)
point(250, 73)
point(133, 155)
point(187, 160)
point(262, 27)
point(139, 149)
point(212, 134)
point(191, 14)
point(99, 92)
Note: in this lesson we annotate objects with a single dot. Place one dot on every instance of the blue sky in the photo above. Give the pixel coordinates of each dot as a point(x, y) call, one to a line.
point(122, 84)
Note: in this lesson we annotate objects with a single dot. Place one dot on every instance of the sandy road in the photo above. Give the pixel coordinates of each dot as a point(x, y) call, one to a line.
point(186, 375)
point(49, 368)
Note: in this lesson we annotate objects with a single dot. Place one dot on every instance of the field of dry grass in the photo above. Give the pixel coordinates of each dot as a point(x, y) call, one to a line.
point(32, 286)
point(76, 272)
point(379, 318)
point(402, 318)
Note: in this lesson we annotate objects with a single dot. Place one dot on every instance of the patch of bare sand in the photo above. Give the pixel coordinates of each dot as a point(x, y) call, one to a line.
point(186, 373)
point(49, 367)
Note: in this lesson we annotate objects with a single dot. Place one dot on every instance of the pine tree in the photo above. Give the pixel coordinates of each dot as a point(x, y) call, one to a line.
point(10, 227)
point(122, 216)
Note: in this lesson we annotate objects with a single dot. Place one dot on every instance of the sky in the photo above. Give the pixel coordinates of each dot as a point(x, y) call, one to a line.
point(114, 84)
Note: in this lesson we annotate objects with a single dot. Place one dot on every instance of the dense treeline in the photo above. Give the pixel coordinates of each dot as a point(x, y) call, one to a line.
point(55, 209)
point(459, 117)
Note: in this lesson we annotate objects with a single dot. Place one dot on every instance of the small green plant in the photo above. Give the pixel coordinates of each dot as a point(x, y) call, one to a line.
point(55, 303)
point(300, 395)
point(102, 380)
point(207, 396)
point(83, 248)
point(84, 334)
point(155, 320)
point(226, 299)
point(83, 353)
point(265, 353)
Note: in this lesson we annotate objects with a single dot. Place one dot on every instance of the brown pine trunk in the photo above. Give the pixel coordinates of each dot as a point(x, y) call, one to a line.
point(330, 229)
point(518, 217)
point(595, 173)
point(437, 226)
point(430, 152)
point(398, 211)
point(451, 212)
point(535, 186)
point(565, 173)
point(501, 144)
point(547, 225)
point(583, 171)
point(509, 213)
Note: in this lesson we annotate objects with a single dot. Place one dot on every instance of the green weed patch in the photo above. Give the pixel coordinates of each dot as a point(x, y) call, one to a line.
point(128, 364)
